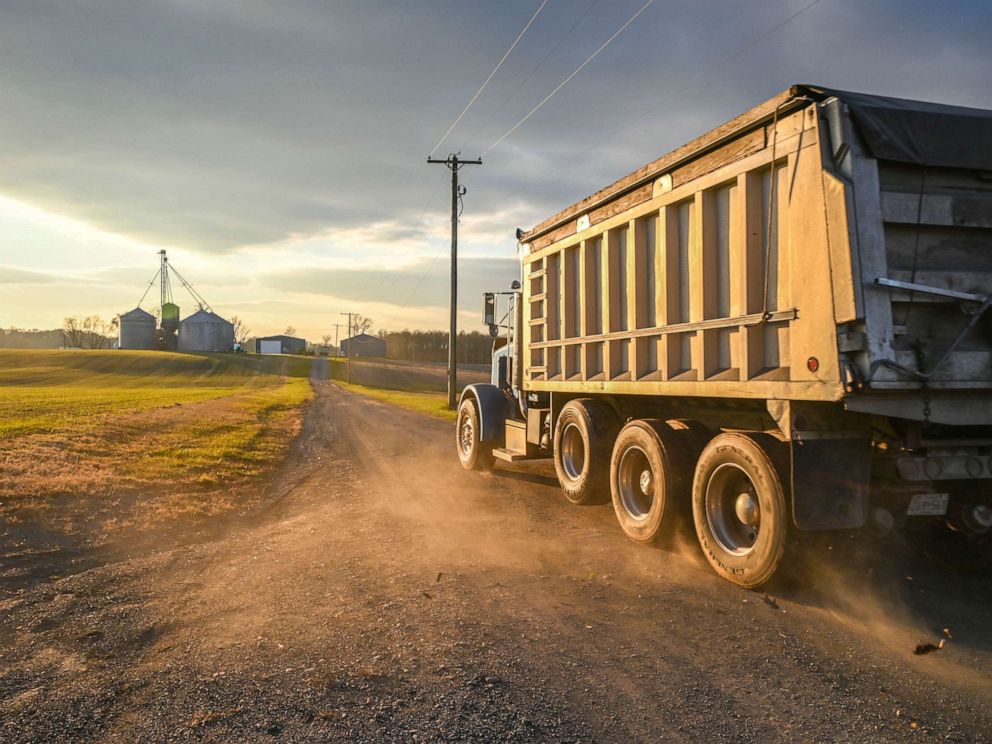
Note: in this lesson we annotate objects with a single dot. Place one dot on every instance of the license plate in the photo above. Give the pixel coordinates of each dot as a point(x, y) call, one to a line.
point(928, 505)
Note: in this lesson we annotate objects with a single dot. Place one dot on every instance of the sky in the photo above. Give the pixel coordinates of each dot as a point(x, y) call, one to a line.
point(277, 150)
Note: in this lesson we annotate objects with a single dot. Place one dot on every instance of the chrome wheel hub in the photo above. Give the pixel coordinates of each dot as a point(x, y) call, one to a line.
point(635, 483)
point(646, 482)
point(573, 451)
point(733, 511)
point(466, 433)
point(746, 508)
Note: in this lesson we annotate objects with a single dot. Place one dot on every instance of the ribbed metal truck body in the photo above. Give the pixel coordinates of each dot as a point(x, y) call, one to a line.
point(771, 259)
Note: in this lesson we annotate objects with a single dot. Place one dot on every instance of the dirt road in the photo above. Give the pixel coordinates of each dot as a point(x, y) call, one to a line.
point(387, 595)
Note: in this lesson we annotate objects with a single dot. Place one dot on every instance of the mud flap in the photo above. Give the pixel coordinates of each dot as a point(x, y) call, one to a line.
point(830, 483)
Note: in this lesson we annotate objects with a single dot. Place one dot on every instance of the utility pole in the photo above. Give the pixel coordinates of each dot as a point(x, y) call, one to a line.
point(337, 346)
point(453, 162)
point(351, 343)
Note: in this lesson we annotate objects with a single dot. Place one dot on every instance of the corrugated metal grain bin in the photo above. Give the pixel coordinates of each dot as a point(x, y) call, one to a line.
point(206, 331)
point(137, 330)
point(819, 268)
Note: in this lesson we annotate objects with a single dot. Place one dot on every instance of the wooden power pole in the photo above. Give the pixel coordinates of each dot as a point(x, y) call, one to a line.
point(351, 343)
point(453, 162)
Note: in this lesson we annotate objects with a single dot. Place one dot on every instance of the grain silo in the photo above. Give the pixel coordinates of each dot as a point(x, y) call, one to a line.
point(137, 330)
point(206, 331)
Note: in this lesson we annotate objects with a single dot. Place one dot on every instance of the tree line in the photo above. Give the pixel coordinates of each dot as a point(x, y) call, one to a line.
point(432, 346)
point(93, 332)
point(77, 332)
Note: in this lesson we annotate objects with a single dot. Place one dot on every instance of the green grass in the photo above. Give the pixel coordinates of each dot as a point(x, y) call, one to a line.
point(99, 422)
point(394, 388)
point(433, 404)
point(49, 391)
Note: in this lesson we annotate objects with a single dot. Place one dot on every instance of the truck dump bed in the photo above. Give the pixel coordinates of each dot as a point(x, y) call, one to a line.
point(823, 246)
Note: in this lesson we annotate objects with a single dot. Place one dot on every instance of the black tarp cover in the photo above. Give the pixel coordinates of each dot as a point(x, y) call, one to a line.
point(917, 131)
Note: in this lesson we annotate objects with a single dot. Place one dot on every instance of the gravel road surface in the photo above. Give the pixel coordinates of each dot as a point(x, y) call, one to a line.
point(385, 594)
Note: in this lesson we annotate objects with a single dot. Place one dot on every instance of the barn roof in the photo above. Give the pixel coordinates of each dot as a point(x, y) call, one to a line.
point(363, 337)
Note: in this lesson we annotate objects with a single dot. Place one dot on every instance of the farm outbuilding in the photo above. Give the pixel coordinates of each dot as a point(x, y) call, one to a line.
point(280, 344)
point(137, 330)
point(364, 346)
point(206, 331)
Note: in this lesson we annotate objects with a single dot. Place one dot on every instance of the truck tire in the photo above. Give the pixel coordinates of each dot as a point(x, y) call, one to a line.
point(739, 507)
point(649, 477)
point(584, 435)
point(473, 453)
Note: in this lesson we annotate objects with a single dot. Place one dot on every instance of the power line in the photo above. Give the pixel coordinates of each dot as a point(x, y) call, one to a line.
point(566, 80)
point(535, 70)
point(491, 74)
point(694, 80)
point(420, 221)
point(428, 270)
point(416, 288)
point(367, 282)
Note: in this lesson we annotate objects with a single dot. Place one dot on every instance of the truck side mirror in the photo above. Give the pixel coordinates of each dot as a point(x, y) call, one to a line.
point(489, 308)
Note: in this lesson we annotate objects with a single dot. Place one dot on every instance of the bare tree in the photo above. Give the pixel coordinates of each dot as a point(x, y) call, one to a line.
point(326, 339)
point(72, 333)
point(91, 332)
point(361, 324)
point(290, 331)
point(241, 331)
point(99, 332)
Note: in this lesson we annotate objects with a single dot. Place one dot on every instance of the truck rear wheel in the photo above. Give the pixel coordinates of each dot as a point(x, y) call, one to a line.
point(739, 508)
point(649, 477)
point(584, 435)
point(473, 453)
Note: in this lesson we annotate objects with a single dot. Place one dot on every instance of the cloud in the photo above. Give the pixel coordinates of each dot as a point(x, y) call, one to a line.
point(267, 144)
point(216, 125)
point(10, 275)
point(423, 283)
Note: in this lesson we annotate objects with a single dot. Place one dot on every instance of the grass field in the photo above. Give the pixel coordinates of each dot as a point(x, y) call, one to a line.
point(99, 423)
point(433, 404)
point(417, 387)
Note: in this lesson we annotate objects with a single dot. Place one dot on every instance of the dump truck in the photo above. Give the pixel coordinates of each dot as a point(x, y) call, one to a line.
point(780, 326)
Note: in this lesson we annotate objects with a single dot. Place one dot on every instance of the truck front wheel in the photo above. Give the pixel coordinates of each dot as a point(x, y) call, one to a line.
point(739, 508)
point(473, 453)
point(584, 435)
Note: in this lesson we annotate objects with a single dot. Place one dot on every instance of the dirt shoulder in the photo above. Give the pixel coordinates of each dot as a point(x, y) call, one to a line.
point(386, 594)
